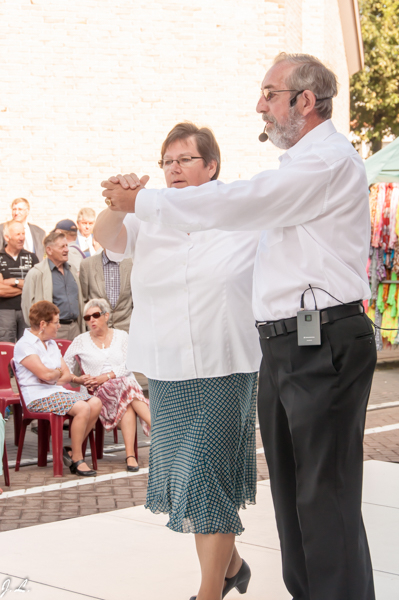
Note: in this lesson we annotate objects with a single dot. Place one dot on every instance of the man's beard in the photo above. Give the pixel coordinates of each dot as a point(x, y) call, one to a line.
point(287, 135)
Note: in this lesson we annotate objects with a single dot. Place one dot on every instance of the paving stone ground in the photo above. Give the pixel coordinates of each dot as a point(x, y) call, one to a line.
point(48, 506)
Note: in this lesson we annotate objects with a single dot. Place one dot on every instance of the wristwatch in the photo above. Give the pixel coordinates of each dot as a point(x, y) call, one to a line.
point(16, 283)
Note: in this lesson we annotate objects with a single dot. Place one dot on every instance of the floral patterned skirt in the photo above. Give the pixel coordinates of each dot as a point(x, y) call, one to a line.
point(116, 395)
point(59, 403)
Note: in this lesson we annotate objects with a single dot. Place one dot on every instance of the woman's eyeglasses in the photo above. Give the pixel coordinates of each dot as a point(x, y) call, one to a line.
point(95, 315)
point(183, 161)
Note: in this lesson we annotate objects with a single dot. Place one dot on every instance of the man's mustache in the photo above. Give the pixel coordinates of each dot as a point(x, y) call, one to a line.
point(268, 118)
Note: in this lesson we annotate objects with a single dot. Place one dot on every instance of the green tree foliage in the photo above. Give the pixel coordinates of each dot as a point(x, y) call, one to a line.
point(375, 90)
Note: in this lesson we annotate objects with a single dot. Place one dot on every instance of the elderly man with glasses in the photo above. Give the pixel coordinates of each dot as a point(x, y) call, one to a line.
point(318, 363)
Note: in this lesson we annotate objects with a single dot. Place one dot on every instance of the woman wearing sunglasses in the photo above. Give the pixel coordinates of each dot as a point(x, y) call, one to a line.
point(102, 353)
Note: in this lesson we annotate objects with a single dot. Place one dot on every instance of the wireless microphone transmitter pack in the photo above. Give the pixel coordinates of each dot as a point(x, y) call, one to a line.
point(309, 328)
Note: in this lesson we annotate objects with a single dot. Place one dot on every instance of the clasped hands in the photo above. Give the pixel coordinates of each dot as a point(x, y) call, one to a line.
point(121, 192)
point(91, 382)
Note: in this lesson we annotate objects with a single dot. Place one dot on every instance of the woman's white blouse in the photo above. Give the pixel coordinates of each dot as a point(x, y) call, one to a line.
point(96, 361)
point(32, 387)
point(192, 294)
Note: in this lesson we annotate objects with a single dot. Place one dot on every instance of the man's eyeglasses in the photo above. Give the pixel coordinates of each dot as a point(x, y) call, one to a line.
point(183, 161)
point(95, 315)
point(268, 94)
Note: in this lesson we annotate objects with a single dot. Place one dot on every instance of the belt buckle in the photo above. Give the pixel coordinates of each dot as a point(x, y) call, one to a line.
point(271, 328)
point(273, 332)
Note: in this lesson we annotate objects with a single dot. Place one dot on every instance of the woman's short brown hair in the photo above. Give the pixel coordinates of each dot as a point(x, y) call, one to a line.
point(206, 142)
point(42, 311)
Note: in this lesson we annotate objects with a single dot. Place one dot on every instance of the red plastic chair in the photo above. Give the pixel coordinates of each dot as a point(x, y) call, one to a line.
point(63, 345)
point(100, 431)
point(7, 395)
point(55, 422)
point(6, 471)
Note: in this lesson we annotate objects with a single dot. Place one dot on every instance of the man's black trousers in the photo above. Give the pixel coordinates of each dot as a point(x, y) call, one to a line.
point(312, 407)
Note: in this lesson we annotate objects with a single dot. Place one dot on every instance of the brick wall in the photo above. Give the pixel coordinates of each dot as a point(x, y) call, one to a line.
point(90, 88)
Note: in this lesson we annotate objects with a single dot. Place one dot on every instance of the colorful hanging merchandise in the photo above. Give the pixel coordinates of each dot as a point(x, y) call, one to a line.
point(383, 265)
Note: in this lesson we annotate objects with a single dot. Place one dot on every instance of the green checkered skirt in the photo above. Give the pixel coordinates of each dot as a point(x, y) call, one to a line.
point(203, 453)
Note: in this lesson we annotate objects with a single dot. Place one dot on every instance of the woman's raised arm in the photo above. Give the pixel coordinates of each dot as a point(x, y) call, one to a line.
point(110, 231)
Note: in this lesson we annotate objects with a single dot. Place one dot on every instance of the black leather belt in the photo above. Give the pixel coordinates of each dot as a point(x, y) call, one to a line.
point(327, 315)
point(67, 321)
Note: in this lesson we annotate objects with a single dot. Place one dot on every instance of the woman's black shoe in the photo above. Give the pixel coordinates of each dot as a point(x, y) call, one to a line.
point(66, 457)
point(74, 469)
point(240, 581)
point(129, 467)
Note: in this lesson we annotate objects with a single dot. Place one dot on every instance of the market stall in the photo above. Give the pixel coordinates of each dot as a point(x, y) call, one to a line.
point(383, 308)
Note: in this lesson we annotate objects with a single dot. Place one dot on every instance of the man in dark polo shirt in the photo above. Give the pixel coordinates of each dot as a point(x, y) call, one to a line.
point(15, 262)
point(55, 280)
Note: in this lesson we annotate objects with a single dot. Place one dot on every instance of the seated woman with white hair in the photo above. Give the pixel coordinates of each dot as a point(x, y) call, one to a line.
point(102, 352)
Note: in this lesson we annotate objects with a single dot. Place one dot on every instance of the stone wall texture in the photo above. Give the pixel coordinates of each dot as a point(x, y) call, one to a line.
point(90, 88)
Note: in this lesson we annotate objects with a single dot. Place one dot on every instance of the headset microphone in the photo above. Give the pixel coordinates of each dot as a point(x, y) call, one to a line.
point(263, 136)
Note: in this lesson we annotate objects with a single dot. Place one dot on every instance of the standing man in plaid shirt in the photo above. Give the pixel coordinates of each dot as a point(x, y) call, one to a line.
point(101, 277)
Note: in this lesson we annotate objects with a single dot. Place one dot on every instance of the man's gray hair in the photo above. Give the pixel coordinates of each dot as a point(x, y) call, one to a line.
point(52, 238)
point(85, 213)
point(18, 200)
point(97, 302)
point(311, 74)
point(8, 224)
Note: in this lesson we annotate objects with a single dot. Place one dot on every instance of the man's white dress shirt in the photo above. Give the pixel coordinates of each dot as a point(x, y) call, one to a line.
point(192, 314)
point(28, 244)
point(86, 243)
point(32, 387)
point(314, 216)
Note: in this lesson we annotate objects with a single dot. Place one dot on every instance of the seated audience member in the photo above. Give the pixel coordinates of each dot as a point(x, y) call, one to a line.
point(101, 277)
point(85, 220)
point(15, 262)
point(70, 230)
point(2, 436)
point(42, 372)
point(33, 234)
point(102, 352)
point(55, 280)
